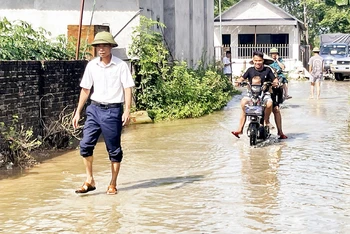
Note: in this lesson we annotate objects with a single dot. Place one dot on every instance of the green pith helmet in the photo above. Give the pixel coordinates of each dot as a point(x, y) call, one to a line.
point(316, 49)
point(274, 50)
point(104, 38)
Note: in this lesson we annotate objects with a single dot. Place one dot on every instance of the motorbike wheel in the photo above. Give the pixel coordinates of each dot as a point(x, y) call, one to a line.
point(262, 133)
point(253, 136)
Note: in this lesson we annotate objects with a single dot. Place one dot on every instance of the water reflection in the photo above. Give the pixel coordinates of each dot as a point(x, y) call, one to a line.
point(261, 186)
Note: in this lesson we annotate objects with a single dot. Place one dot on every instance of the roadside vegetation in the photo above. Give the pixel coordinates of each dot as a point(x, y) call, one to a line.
point(19, 146)
point(168, 89)
point(20, 41)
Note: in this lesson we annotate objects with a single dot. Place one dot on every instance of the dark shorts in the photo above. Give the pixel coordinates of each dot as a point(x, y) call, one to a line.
point(107, 121)
point(277, 96)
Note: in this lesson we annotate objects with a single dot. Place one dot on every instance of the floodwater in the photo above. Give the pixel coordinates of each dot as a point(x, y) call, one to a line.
point(193, 176)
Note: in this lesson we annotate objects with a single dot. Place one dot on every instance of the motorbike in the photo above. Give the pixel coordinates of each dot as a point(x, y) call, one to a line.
point(254, 111)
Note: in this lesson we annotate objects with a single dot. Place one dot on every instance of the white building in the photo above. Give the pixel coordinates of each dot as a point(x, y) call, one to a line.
point(190, 23)
point(253, 25)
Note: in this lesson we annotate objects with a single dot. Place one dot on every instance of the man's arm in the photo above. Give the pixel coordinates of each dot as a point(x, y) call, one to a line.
point(310, 64)
point(281, 64)
point(84, 95)
point(271, 75)
point(227, 62)
point(127, 105)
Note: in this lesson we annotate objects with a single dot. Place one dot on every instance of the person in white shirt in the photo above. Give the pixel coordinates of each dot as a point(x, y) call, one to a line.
point(316, 69)
point(109, 110)
point(227, 65)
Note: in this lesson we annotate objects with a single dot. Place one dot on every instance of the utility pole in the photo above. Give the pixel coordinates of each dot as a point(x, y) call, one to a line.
point(306, 24)
point(220, 23)
point(79, 30)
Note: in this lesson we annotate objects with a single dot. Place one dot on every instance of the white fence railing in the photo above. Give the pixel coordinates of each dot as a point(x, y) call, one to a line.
point(245, 51)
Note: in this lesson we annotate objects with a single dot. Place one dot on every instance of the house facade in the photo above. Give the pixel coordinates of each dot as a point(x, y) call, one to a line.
point(188, 32)
point(253, 25)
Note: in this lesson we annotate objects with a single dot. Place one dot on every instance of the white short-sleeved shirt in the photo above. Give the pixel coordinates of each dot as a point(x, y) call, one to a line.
point(227, 69)
point(109, 80)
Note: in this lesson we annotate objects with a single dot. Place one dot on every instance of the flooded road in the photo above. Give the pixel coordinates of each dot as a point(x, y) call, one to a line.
point(193, 176)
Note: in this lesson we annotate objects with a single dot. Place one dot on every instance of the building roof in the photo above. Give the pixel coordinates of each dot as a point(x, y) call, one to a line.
point(257, 12)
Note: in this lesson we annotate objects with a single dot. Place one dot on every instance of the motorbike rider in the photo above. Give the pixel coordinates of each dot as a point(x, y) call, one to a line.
point(277, 98)
point(266, 75)
point(278, 66)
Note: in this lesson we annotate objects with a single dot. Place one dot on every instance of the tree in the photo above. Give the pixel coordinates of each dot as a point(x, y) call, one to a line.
point(225, 4)
point(320, 16)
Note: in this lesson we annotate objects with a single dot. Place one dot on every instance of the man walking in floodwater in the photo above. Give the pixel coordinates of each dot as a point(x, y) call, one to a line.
point(316, 71)
point(112, 82)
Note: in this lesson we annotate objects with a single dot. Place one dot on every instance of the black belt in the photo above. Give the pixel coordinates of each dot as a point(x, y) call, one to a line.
point(106, 106)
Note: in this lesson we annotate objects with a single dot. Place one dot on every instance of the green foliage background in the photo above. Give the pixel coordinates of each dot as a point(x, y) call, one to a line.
point(169, 89)
point(20, 41)
point(322, 16)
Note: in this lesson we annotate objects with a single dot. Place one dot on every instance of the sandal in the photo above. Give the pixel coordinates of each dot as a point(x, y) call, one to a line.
point(236, 134)
point(283, 137)
point(86, 187)
point(112, 190)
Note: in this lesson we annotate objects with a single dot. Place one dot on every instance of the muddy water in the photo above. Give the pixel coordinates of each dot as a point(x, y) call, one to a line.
point(192, 176)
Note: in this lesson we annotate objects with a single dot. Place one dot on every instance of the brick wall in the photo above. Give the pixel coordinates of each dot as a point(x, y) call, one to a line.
point(27, 85)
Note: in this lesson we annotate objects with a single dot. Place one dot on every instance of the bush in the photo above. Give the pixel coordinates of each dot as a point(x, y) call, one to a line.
point(18, 143)
point(20, 41)
point(171, 90)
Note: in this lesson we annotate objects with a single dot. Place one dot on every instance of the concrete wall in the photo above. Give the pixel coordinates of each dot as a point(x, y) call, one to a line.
point(153, 9)
point(189, 29)
point(169, 21)
point(182, 24)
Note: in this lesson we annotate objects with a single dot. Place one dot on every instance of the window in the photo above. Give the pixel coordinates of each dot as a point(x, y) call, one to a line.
point(247, 44)
point(263, 39)
point(246, 39)
point(226, 40)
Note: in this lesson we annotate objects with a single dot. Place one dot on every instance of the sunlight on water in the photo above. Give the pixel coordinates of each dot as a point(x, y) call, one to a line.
point(194, 176)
